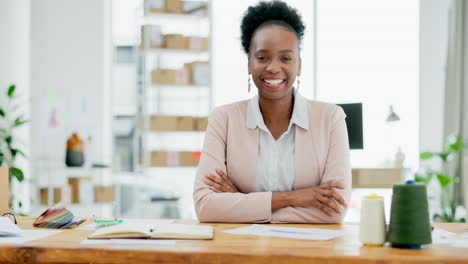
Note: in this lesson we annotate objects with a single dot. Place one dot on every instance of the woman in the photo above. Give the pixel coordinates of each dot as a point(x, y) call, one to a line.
point(277, 157)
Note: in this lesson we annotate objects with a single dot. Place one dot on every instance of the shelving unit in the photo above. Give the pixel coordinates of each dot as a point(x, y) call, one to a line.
point(176, 99)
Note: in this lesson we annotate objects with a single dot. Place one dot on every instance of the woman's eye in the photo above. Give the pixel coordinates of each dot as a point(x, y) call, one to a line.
point(261, 58)
point(286, 59)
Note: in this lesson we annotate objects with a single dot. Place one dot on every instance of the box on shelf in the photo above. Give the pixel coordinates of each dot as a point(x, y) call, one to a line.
point(160, 123)
point(184, 123)
point(173, 6)
point(158, 158)
point(200, 123)
point(197, 43)
point(169, 76)
point(81, 189)
point(103, 193)
point(4, 192)
point(155, 6)
point(44, 196)
point(189, 158)
point(175, 41)
point(151, 37)
point(199, 72)
point(62, 194)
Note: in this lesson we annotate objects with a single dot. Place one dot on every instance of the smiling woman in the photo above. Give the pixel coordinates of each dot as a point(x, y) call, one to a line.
point(277, 157)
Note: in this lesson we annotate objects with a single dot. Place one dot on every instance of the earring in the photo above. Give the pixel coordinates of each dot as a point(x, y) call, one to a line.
point(298, 83)
point(248, 81)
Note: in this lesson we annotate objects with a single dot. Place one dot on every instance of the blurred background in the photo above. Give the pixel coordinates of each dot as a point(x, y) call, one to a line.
point(105, 102)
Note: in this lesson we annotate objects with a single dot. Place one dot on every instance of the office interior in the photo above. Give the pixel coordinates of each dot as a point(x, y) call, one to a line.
point(136, 85)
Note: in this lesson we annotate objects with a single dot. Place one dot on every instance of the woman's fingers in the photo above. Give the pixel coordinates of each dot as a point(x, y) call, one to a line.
point(336, 196)
point(212, 183)
point(330, 203)
point(323, 208)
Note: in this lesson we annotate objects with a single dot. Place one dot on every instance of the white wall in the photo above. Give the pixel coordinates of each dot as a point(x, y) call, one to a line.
point(367, 51)
point(433, 54)
point(230, 62)
point(70, 78)
point(14, 68)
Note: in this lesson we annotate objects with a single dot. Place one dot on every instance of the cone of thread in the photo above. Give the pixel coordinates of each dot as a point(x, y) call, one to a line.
point(409, 216)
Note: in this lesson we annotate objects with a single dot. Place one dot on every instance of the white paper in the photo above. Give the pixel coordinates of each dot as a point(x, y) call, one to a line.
point(287, 232)
point(28, 235)
point(150, 223)
point(8, 228)
point(441, 236)
point(127, 241)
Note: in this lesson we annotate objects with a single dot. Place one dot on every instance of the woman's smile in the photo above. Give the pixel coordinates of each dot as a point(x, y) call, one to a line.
point(274, 83)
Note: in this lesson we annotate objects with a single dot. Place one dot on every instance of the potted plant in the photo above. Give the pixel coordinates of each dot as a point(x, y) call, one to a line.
point(448, 177)
point(10, 120)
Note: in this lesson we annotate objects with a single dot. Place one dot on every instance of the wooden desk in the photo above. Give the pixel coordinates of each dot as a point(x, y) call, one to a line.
point(65, 247)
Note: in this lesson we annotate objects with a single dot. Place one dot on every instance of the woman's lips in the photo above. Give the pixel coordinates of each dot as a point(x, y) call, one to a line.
point(273, 83)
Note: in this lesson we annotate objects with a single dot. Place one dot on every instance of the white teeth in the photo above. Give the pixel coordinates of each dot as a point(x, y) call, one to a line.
point(273, 82)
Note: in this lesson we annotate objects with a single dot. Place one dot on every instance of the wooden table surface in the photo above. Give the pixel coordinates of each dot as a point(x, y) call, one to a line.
point(65, 247)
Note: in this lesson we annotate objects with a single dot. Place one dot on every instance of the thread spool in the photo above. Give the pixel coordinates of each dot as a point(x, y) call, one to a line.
point(409, 216)
point(372, 229)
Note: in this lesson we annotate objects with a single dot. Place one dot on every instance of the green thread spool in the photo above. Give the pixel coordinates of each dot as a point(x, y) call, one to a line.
point(409, 216)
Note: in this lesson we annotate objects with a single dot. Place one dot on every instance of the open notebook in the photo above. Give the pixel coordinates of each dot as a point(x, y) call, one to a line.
point(172, 231)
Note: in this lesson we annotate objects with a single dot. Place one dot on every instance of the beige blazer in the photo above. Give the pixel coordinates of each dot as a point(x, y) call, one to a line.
point(321, 155)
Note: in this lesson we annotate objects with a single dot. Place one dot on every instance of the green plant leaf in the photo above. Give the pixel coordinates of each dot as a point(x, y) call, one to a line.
point(11, 90)
point(444, 156)
point(8, 140)
point(423, 178)
point(17, 173)
point(19, 122)
point(2, 112)
point(444, 180)
point(14, 152)
point(454, 143)
point(426, 155)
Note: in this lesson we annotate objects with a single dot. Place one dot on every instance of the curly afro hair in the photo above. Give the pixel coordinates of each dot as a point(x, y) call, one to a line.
point(270, 13)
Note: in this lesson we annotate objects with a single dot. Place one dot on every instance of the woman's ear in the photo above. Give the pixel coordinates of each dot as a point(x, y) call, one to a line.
point(300, 67)
point(249, 68)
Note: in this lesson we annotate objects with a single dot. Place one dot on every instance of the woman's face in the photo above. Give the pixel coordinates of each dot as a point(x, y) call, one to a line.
point(274, 61)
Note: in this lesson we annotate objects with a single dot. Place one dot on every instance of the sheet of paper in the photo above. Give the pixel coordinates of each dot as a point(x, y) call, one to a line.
point(8, 228)
point(287, 232)
point(150, 223)
point(127, 241)
point(28, 235)
point(441, 236)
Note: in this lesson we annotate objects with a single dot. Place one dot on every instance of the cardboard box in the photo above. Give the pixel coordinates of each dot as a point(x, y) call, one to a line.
point(197, 43)
point(4, 189)
point(163, 76)
point(81, 189)
point(160, 123)
point(184, 123)
point(377, 177)
point(199, 72)
point(175, 41)
point(189, 158)
point(200, 123)
point(155, 6)
point(62, 194)
point(173, 6)
point(103, 193)
point(151, 37)
point(158, 158)
point(44, 196)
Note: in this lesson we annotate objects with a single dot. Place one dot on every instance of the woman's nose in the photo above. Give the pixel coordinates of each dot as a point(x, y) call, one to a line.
point(273, 67)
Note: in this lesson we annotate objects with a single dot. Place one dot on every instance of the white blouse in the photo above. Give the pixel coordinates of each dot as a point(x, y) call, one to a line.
point(275, 158)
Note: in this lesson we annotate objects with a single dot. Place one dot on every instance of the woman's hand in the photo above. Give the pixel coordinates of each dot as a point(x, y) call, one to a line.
point(322, 197)
point(220, 182)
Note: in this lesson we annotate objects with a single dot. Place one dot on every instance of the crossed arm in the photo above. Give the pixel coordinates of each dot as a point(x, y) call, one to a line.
point(323, 197)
